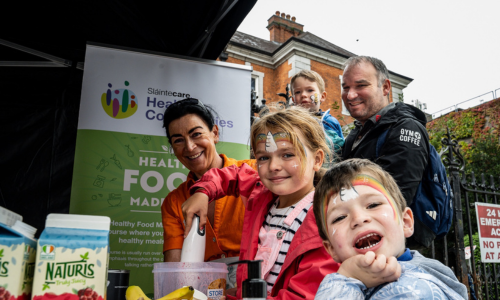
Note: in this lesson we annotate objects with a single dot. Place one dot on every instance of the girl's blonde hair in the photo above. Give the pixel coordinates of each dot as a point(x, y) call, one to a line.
point(290, 121)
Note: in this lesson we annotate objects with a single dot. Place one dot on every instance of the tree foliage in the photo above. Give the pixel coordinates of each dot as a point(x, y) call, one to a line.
point(477, 129)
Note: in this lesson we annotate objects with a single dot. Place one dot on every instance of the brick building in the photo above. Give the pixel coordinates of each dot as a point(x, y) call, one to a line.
point(289, 50)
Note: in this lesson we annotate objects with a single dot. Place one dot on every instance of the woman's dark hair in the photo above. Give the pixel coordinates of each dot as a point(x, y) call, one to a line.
point(188, 106)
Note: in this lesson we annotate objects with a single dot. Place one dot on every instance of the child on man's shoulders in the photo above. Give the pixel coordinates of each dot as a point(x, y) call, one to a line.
point(308, 91)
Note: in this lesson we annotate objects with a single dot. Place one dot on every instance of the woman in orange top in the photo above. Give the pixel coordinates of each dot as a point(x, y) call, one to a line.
point(193, 134)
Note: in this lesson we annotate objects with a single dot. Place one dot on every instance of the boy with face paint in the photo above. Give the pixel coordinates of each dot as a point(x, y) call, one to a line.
point(308, 91)
point(363, 220)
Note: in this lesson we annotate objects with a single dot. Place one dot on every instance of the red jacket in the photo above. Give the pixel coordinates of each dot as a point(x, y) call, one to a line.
point(306, 263)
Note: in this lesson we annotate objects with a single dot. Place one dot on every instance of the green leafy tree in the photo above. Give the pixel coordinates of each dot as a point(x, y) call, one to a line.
point(477, 130)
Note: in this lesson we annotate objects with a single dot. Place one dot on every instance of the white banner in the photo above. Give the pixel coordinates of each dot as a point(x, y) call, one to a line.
point(123, 167)
point(155, 82)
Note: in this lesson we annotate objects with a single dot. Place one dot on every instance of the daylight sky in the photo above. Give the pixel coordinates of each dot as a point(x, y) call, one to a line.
point(451, 49)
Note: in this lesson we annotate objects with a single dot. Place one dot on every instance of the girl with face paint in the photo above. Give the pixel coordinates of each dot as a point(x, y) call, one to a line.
point(363, 220)
point(279, 226)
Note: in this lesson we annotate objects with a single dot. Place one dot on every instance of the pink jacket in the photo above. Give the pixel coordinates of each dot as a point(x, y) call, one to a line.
point(306, 263)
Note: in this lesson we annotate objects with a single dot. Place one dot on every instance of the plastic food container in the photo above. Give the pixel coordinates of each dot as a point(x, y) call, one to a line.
point(208, 278)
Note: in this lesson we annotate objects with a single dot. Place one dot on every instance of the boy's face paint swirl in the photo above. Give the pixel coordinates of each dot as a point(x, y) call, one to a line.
point(348, 194)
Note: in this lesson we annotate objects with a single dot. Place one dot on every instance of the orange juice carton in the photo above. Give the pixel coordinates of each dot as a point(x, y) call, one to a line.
point(72, 261)
point(17, 260)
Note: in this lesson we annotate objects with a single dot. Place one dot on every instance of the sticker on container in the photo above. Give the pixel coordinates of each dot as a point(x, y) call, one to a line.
point(217, 289)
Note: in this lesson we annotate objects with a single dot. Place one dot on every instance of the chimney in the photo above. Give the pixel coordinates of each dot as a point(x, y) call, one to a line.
point(281, 27)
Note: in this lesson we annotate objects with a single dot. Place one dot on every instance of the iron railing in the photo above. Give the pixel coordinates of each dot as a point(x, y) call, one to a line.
point(478, 100)
point(466, 191)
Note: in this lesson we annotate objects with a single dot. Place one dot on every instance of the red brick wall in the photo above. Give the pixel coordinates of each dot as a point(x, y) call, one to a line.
point(275, 81)
point(280, 80)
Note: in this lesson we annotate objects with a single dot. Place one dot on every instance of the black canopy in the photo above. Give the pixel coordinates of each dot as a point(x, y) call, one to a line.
point(42, 50)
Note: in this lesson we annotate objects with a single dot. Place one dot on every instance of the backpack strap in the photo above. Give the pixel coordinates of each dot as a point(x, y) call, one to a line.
point(381, 141)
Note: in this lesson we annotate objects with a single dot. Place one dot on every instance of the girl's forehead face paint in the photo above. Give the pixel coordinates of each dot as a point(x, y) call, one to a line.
point(374, 184)
point(270, 143)
point(272, 140)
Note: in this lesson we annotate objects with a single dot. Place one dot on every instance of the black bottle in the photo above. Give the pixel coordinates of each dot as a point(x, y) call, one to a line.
point(253, 288)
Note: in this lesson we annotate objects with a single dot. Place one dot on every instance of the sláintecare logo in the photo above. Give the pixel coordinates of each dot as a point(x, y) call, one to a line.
point(119, 103)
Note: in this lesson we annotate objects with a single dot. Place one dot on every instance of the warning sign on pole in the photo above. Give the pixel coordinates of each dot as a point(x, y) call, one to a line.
point(488, 221)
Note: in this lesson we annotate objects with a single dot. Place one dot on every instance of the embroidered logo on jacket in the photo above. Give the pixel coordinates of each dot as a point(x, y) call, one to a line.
point(410, 136)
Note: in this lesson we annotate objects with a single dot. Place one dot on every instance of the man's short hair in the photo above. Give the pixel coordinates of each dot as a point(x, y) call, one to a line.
point(341, 176)
point(311, 76)
point(382, 72)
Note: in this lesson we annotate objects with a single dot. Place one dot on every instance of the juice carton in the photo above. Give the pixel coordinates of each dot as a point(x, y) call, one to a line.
point(8, 217)
point(17, 260)
point(72, 261)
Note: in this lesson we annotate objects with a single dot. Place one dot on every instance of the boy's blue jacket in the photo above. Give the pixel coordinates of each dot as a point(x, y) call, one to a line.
point(334, 136)
point(421, 278)
point(331, 123)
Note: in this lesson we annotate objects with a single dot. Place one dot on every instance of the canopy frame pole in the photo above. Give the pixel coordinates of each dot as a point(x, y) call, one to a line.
point(207, 35)
point(54, 61)
point(49, 64)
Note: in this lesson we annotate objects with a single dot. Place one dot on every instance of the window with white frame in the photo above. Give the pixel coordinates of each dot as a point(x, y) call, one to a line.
point(257, 84)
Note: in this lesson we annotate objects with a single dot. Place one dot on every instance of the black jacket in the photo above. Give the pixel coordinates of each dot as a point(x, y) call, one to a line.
point(405, 151)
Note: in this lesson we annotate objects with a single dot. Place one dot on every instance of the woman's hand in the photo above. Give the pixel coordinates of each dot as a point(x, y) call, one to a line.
point(196, 204)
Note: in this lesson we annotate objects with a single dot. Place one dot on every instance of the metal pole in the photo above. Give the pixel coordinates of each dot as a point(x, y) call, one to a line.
point(55, 59)
point(454, 165)
point(220, 15)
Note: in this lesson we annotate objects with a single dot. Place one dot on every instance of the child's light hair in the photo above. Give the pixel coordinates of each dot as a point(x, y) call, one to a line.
point(290, 121)
point(340, 176)
point(311, 76)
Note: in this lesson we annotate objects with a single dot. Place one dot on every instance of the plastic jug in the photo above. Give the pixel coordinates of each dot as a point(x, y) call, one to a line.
point(193, 248)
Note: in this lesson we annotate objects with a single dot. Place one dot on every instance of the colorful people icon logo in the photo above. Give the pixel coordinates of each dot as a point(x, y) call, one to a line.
point(119, 103)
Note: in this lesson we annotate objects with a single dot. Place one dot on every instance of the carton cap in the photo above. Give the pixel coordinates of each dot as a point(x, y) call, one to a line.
point(24, 229)
point(78, 221)
point(8, 217)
